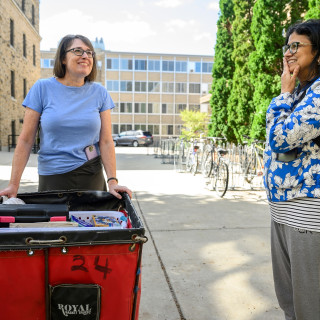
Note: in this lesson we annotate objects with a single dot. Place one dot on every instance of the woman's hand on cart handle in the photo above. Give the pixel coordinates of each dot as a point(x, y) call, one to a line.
point(114, 189)
point(11, 191)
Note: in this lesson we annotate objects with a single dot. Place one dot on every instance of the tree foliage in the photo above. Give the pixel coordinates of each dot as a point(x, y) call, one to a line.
point(222, 72)
point(195, 123)
point(248, 62)
point(240, 104)
point(314, 10)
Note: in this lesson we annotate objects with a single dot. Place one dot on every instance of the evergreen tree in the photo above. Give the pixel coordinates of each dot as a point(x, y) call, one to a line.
point(314, 10)
point(270, 19)
point(222, 72)
point(240, 104)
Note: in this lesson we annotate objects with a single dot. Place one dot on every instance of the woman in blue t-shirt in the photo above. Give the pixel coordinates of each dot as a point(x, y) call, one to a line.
point(75, 126)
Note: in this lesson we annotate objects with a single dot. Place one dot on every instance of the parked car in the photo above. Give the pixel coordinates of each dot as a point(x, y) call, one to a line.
point(133, 138)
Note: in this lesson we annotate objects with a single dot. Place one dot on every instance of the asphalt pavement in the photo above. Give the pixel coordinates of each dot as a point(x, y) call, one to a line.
point(207, 258)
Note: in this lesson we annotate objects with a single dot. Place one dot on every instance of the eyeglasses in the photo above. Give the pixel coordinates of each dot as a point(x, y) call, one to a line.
point(293, 47)
point(79, 52)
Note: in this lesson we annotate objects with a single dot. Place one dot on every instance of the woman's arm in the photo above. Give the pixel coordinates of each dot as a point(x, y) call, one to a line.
point(22, 152)
point(108, 156)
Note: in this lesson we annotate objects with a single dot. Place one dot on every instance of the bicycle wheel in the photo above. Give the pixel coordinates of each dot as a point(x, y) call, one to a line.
point(222, 179)
point(213, 175)
point(207, 164)
point(250, 171)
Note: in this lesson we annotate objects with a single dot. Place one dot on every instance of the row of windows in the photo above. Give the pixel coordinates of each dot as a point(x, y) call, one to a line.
point(154, 87)
point(153, 108)
point(155, 129)
point(159, 65)
point(24, 42)
point(13, 85)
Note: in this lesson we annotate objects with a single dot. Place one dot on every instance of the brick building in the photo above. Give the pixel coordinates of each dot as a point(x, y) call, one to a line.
point(19, 61)
point(149, 89)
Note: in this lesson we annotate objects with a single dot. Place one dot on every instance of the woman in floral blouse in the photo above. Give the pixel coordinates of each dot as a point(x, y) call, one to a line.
point(292, 175)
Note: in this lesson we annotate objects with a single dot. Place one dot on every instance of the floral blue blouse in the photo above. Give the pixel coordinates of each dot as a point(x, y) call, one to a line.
point(292, 124)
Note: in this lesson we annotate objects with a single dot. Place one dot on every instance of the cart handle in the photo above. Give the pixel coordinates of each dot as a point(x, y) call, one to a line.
point(61, 240)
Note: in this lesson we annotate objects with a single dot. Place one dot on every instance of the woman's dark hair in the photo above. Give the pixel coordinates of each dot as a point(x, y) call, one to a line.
point(311, 29)
point(59, 69)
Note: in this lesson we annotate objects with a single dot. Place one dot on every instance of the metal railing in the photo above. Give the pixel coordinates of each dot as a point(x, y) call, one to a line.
point(244, 161)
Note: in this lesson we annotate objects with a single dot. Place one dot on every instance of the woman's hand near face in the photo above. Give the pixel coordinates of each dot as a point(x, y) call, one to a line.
point(288, 81)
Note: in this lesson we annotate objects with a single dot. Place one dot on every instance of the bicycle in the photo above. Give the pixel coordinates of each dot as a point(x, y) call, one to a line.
point(214, 166)
point(192, 160)
point(253, 165)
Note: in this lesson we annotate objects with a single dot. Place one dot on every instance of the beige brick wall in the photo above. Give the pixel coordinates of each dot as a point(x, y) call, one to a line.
point(12, 59)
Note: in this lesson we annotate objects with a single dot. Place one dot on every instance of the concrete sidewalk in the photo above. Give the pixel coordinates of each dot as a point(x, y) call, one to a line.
point(207, 258)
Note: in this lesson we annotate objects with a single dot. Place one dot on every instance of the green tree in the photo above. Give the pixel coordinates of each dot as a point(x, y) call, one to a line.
point(222, 72)
point(240, 104)
point(314, 10)
point(270, 19)
point(194, 124)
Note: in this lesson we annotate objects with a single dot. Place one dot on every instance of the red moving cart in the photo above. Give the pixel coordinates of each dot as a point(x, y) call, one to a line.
point(72, 273)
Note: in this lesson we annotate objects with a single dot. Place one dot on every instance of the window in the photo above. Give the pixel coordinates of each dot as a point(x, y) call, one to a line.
point(24, 88)
point(140, 86)
point(112, 85)
point(180, 107)
point(181, 87)
point(23, 6)
point(32, 13)
point(153, 86)
point(198, 67)
point(126, 86)
point(11, 32)
point(115, 129)
point(194, 107)
point(126, 107)
point(154, 65)
point(140, 126)
point(24, 45)
point(153, 107)
point(140, 65)
point(125, 127)
point(47, 63)
point(167, 65)
point(167, 87)
point(164, 108)
point(140, 107)
point(34, 54)
point(207, 67)
point(113, 64)
point(167, 108)
point(153, 128)
point(125, 64)
point(12, 81)
point(170, 129)
point(181, 66)
point(194, 87)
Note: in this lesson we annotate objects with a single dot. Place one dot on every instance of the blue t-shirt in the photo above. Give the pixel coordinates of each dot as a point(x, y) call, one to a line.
point(70, 121)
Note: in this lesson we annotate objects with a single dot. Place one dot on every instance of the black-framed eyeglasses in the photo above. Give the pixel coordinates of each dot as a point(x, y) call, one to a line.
point(79, 52)
point(293, 47)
